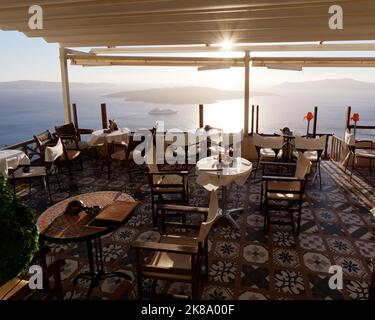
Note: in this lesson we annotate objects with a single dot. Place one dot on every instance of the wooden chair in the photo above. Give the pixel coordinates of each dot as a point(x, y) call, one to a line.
point(123, 152)
point(267, 147)
point(72, 151)
point(45, 139)
point(176, 258)
point(166, 183)
point(289, 189)
point(18, 289)
point(51, 155)
point(361, 149)
point(69, 131)
point(312, 149)
point(180, 211)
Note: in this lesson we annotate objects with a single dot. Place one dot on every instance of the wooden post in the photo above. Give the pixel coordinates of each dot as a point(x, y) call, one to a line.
point(201, 116)
point(247, 93)
point(257, 119)
point(252, 119)
point(104, 115)
point(75, 115)
point(65, 85)
point(315, 121)
point(348, 116)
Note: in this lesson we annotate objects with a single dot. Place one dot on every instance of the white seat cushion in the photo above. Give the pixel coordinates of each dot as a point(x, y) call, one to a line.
point(309, 155)
point(365, 153)
point(269, 153)
point(284, 186)
point(173, 260)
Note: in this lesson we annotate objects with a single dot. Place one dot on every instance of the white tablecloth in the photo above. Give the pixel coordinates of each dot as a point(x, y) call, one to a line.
point(99, 137)
point(213, 180)
point(11, 159)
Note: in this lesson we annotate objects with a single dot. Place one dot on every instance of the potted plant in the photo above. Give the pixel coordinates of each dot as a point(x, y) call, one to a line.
point(18, 234)
point(355, 118)
point(309, 116)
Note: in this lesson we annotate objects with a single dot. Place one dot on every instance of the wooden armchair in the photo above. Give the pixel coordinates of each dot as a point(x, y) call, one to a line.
point(312, 150)
point(51, 153)
point(125, 153)
point(176, 258)
point(362, 149)
point(290, 189)
point(267, 147)
point(18, 289)
point(72, 149)
point(164, 184)
point(69, 131)
point(45, 139)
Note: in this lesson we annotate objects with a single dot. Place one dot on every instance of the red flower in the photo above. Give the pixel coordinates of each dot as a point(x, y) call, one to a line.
point(309, 116)
point(355, 117)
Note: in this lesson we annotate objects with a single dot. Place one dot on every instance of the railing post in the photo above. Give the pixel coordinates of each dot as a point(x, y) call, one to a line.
point(257, 123)
point(247, 93)
point(348, 115)
point(104, 115)
point(315, 121)
point(75, 115)
point(201, 116)
point(252, 119)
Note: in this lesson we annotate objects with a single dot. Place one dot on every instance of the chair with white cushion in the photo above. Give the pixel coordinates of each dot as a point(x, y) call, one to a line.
point(43, 172)
point(164, 184)
point(312, 149)
point(356, 151)
point(267, 147)
point(176, 258)
point(278, 189)
point(124, 152)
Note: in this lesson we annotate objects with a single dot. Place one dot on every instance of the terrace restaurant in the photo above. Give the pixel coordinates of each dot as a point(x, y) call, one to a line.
point(113, 213)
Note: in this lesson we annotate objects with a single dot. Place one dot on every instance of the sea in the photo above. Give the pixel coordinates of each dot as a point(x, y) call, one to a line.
point(24, 113)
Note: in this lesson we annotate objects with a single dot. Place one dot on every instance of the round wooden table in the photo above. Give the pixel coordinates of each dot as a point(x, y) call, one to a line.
point(57, 227)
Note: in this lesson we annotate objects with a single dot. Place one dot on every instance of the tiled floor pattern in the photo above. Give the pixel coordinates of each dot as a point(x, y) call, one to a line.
point(337, 229)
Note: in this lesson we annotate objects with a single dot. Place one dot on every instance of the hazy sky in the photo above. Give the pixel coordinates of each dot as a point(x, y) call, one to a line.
point(23, 58)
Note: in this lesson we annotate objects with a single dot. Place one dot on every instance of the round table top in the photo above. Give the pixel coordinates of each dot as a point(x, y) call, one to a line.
point(211, 164)
point(54, 226)
point(212, 174)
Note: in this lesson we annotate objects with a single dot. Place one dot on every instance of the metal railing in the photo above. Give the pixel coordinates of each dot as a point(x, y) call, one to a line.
point(29, 147)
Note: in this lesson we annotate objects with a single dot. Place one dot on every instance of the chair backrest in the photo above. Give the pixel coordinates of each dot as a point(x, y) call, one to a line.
point(212, 215)
point(303, 167)
point(51, 154)
point(150, 159)
point(306, 144)
point(43, 139)
point(349, 138)
point(67, 129)
point(268, 142)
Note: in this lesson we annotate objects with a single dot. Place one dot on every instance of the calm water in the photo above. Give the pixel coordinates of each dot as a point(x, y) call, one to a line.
point(25, 113)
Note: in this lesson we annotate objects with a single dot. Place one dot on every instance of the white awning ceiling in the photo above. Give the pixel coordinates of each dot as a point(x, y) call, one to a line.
point(94, 23)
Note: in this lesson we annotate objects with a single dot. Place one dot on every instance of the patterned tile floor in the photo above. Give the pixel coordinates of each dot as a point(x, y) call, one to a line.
point(337, 229)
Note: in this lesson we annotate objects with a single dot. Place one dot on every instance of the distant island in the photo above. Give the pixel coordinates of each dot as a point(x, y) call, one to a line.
point(344, 86)
point(182, 95)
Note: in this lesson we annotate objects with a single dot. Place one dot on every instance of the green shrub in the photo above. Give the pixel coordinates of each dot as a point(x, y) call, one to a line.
point(18, 234)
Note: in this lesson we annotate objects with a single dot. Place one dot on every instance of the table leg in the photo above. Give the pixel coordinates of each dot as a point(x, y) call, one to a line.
point(227, 213)
point(96, 271)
